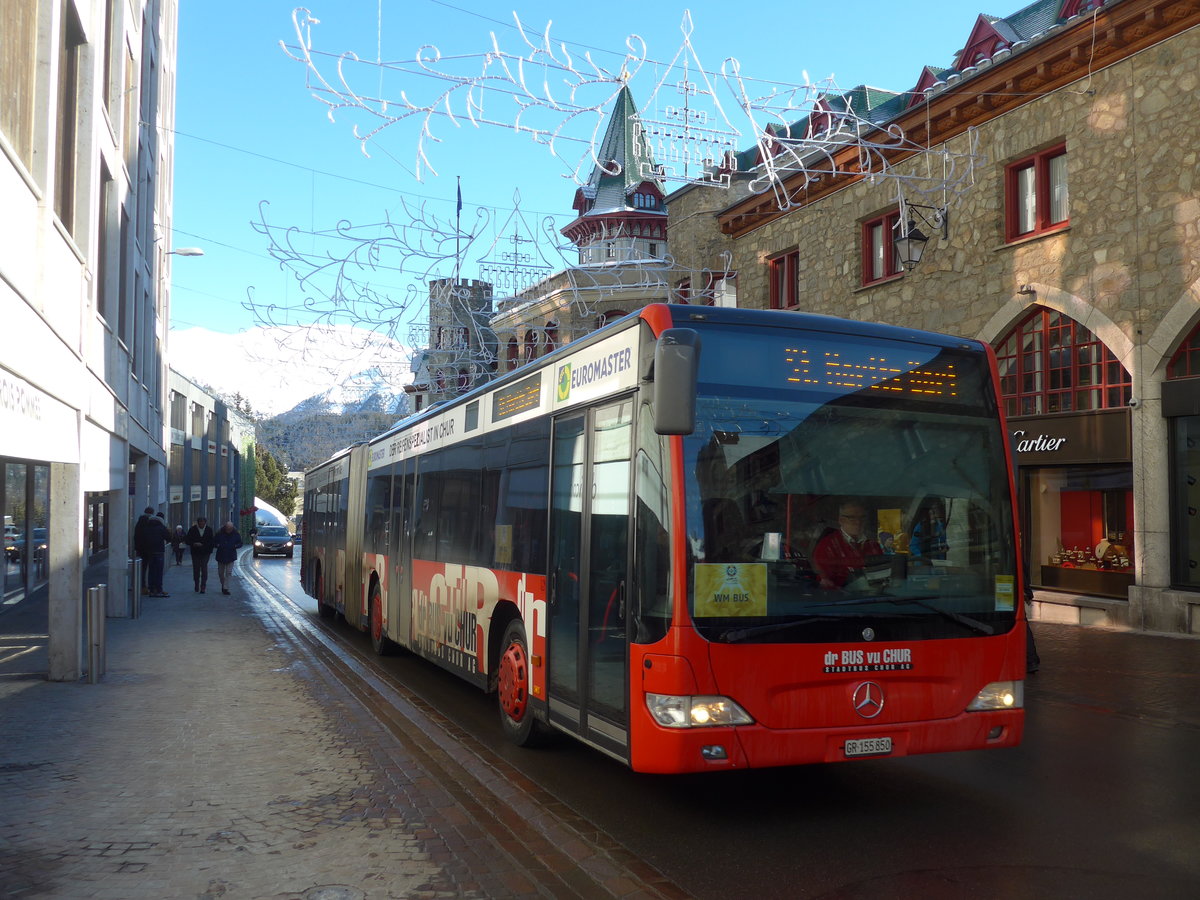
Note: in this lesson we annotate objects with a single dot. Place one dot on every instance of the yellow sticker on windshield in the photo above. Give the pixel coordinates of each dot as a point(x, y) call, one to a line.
point(1006, 593)
point(731, 589)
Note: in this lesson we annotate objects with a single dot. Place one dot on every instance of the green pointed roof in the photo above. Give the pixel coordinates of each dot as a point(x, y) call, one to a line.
point(622, 153)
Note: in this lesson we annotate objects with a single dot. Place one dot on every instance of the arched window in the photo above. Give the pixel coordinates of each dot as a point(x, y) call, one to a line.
point(551, 337)
point(611, 316)
point(1186, 361)
point(514, 354)
point(464, 380)
point(530, 345)
point(1050, 363)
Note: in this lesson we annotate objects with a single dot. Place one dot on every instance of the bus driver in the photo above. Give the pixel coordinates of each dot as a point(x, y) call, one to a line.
point(841, 555)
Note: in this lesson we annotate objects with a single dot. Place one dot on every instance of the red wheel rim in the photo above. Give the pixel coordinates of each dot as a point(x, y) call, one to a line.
point(514, 681)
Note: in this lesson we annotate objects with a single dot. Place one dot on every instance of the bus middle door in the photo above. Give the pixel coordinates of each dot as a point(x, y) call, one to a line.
point(588, 650)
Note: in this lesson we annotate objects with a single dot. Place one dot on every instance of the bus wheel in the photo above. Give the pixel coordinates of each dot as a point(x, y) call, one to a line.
point(513, 686)
point(380, 643)
point(324, 611)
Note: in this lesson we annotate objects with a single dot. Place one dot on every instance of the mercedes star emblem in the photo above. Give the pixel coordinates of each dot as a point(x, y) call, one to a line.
point(868, 699)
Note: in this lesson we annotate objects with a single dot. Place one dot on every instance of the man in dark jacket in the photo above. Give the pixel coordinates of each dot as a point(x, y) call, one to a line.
point(200, 542)
point(141, 545)
point(150, 538)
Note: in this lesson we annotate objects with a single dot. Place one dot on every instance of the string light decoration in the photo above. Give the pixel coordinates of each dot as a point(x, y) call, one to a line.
point(698, 127)
point(708, 126)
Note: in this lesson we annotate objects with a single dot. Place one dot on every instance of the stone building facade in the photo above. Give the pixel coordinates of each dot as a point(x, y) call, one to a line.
point(458, 349)
point(1102, 289)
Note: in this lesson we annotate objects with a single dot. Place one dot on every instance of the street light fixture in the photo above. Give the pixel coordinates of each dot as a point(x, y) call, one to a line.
point(907, 236)
point(186, 251)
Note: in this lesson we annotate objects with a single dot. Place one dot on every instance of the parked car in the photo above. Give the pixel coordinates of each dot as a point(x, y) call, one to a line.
point(273, 540)
point(14, 547)
point(13, 542)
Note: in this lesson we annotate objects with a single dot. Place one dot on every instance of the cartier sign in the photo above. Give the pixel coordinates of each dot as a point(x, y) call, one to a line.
point(1100, 436)
point(1040, 444)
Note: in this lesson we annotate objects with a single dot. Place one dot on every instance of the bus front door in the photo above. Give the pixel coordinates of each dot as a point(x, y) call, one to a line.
point(589, 565)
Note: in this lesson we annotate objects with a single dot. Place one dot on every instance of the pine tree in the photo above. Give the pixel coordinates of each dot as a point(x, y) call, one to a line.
point(273, 484)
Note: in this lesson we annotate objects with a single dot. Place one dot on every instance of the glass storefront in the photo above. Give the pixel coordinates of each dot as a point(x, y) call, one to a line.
point(1181, 408)
point(1075, 477)
point(97, 525)
point(25, 505)
point(1080, 528)
point(1185, 506)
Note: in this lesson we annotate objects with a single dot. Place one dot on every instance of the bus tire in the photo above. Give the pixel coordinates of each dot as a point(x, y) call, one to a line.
point(323, 610)
point(380, 643)
point(513, 688)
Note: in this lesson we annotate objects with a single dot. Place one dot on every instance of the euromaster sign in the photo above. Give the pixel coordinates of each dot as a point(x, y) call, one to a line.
point(598, 371)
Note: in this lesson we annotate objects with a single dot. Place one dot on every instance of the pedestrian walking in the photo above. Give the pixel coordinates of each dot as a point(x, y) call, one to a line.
point(178, 542)
point(200, 539)
point(150, 538)
point(227, 542)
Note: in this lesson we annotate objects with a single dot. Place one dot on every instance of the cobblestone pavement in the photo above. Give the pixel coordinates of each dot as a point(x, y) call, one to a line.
point(215, 759)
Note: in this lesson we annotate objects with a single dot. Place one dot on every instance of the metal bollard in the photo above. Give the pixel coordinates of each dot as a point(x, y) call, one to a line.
point(97, 663)
point(135, 587)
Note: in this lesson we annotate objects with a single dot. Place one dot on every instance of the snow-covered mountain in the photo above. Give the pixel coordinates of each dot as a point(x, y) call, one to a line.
point(371, 390)
point(326, 369)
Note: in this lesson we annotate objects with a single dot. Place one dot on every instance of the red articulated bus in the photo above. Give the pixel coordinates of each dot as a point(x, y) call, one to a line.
point(702, 539)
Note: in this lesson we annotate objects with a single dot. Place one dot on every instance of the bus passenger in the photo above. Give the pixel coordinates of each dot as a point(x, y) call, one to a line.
point(929, 533)
point(841, 556)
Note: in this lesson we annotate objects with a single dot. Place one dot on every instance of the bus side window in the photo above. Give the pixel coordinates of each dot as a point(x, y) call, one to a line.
point(651, 612)
point(485, 554)
point(458, 518)
point(425, 532)
point(379, 486)
point(519, 457)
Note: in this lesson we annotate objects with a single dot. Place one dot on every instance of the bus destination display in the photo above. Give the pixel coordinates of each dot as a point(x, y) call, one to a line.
point(846, 369)
point(517, 398)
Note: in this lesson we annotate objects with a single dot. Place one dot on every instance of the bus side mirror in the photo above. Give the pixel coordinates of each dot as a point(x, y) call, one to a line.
point(676, 365)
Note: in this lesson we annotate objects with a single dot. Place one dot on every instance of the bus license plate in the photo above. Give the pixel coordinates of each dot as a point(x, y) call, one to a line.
point(878, 746)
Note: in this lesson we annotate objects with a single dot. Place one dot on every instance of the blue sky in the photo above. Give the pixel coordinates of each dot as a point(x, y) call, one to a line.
point(251, 137)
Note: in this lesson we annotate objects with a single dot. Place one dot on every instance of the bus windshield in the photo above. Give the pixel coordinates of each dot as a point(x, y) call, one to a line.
point(847, 488)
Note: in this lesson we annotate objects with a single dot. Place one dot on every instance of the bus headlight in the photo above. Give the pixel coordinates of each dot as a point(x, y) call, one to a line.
point(999, 695)
point(672, 711)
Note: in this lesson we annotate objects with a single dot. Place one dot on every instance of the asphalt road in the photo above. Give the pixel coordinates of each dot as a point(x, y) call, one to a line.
point(1102, 799)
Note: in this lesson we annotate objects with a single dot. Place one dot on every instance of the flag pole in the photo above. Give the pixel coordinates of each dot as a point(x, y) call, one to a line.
point(458, 232)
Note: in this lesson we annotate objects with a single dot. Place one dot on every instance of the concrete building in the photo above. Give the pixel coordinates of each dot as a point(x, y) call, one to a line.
point(1074, 249)
point(211, 459)
point(86, 153)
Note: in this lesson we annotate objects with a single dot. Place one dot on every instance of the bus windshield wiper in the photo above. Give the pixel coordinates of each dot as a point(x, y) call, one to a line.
point(967, 621)
point(740, 634)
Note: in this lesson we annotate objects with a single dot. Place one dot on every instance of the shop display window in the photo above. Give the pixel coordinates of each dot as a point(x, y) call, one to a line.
point(1080, 528)
point(1185, 508)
